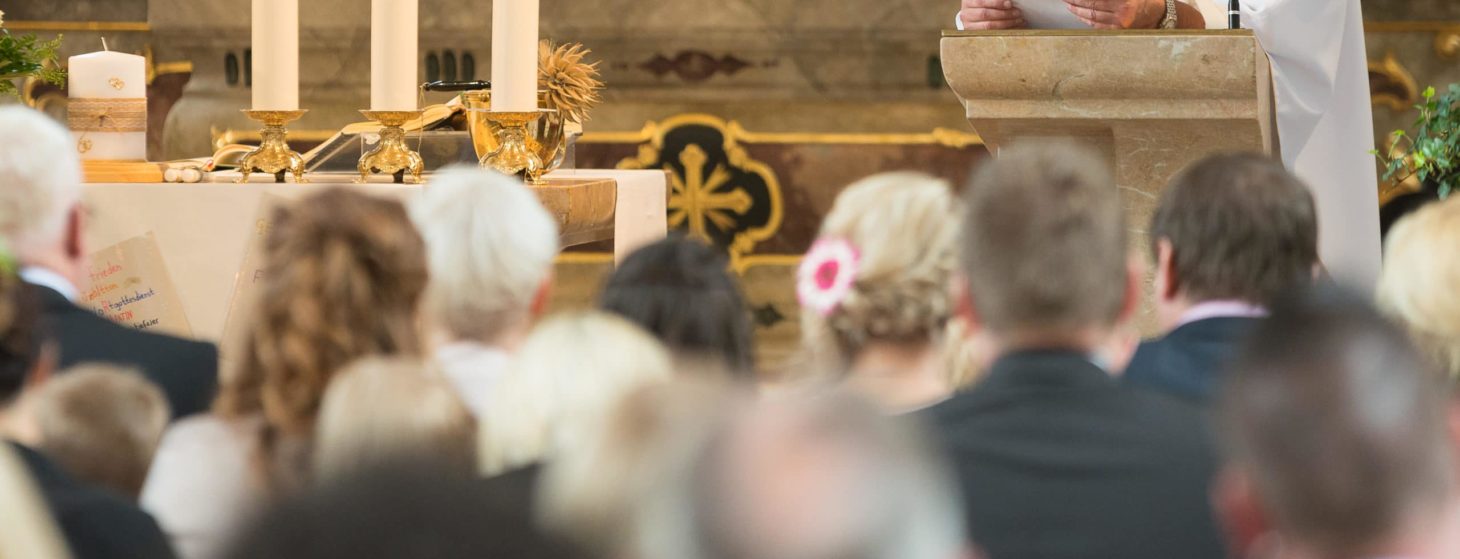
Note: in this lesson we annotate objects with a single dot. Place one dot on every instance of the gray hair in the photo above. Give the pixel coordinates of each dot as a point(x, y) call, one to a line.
point(490, 244)
point(41, 177)
point(882, 493)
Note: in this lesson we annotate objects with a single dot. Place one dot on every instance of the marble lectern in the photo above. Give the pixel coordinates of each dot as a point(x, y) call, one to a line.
point(1151, 101)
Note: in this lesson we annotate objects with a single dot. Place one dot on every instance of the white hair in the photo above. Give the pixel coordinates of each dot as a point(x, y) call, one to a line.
point(568, 374)
point(490, 245)
point(40, 179)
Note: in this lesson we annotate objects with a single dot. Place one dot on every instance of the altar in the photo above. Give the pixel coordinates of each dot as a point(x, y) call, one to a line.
point(203, 231)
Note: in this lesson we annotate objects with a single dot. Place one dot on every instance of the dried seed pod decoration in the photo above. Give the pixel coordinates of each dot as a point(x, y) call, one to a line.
point(571, 84)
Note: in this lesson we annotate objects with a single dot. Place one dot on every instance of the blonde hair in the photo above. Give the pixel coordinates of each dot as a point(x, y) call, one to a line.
point(904, 227)
point(380, 411)
point(600, 491)
point(490, 244)
point(41, 175)
point(566, 375)
point(102, 423)
point(343, 273)
point(1418, 283)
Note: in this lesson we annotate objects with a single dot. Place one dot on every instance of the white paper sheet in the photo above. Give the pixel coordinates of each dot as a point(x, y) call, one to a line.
point(1049, 14)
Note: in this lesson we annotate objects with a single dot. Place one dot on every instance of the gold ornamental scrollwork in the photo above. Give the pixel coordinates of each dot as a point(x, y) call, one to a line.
point(718, 192)
point(1391, 85)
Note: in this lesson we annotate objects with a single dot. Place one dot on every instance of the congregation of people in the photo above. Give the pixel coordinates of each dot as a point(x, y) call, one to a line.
point(971, 382)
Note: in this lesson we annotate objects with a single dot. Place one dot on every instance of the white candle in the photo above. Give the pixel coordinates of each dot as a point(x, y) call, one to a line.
point(108, 91)
point(393, 55)
point(275, 55)
point(514, 55)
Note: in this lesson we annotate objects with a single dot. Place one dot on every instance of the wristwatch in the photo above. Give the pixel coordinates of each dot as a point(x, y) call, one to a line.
point(1169, 22)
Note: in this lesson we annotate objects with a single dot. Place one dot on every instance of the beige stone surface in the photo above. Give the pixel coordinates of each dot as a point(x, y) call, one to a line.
point(1149, 102)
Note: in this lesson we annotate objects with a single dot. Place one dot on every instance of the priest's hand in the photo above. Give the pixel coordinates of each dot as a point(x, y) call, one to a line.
point(991, 14)
point(1118, 14)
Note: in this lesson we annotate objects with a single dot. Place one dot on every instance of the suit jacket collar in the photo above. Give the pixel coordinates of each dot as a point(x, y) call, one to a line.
point(43, 277)
point(51, 300)
point(1045, 369)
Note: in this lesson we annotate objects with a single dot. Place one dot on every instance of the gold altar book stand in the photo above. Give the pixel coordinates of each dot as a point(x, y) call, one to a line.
point(1151, 102)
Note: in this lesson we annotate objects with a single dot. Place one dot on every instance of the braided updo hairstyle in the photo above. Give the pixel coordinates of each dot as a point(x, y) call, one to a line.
point(903, 226)
point(343, 273)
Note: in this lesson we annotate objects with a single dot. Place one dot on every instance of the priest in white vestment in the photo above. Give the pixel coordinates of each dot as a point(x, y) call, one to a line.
point(1320, 79)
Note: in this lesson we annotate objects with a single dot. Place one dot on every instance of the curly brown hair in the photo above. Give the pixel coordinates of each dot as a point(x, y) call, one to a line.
point(343, 273)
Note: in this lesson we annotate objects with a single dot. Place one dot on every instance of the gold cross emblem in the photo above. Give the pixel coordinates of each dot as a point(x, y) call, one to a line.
point(696, 198)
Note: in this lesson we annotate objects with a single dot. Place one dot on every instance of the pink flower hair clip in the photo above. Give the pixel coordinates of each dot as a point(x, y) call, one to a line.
point(826, 275)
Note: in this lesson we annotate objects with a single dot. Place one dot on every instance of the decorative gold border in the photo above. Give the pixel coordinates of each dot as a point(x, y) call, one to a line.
point(1396, 72)
point(137, 26)
point(953, 33)
point(939, 136)
point(1412, 26)
point(745, 241)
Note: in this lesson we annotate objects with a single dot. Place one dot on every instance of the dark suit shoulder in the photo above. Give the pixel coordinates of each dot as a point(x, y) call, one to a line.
point(1189, 361)
point(186, 370)
point(95, 522)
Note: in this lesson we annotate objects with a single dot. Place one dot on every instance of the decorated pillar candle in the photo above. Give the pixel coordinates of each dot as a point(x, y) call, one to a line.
point(275, 55)
point(107, 109)
point(514, 55)
point(393, 25)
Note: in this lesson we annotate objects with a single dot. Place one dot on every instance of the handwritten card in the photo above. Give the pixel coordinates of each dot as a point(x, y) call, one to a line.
point(130, 285)
point(250, 272)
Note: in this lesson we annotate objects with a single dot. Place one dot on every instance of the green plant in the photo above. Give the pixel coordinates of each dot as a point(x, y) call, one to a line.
point(26, 56)
point(1432, 154)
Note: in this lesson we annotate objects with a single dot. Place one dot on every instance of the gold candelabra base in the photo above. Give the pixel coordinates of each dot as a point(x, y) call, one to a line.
point(518, 146)
point(273, 155)
point(392, 156)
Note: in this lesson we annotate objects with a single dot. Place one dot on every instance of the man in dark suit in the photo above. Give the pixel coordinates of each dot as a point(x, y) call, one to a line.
point(1057, 459)
point(44, 227)
point(95, 523)
point(1231, 233)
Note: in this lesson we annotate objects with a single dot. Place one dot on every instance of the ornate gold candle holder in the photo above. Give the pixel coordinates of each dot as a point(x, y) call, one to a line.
point(273, 155)
point(518, 137)
point(392, 156)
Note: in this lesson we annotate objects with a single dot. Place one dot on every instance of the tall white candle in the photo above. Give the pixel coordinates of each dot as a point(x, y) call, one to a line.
point(514, 55)
point(119, 82)
point(275, 55)
point(393, 26)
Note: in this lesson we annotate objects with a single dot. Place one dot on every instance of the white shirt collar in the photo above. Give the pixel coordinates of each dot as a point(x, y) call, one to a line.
point(1220, 309)
point(475, 370)
point(43, 277)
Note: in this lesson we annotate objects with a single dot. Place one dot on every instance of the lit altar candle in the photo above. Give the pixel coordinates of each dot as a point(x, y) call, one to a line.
point(107, 111)
point(393, 55)
point(275, 55)
point(514, 55)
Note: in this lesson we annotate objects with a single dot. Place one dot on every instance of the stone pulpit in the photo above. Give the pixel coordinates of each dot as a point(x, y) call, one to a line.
point(1151, 102)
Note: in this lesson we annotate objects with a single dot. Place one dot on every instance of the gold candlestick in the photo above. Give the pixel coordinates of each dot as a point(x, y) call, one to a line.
point(273, 155)
point(392, 156)
point(518, 141)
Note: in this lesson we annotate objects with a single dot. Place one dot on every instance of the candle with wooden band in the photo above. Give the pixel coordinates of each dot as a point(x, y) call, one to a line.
point(107, 109)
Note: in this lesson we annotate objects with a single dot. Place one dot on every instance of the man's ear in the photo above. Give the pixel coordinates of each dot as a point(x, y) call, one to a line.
point(76, 233)
point(1135, 272)
point(1168, 281)
point(45, 365)
point(542, 298)
point(1239, 511)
